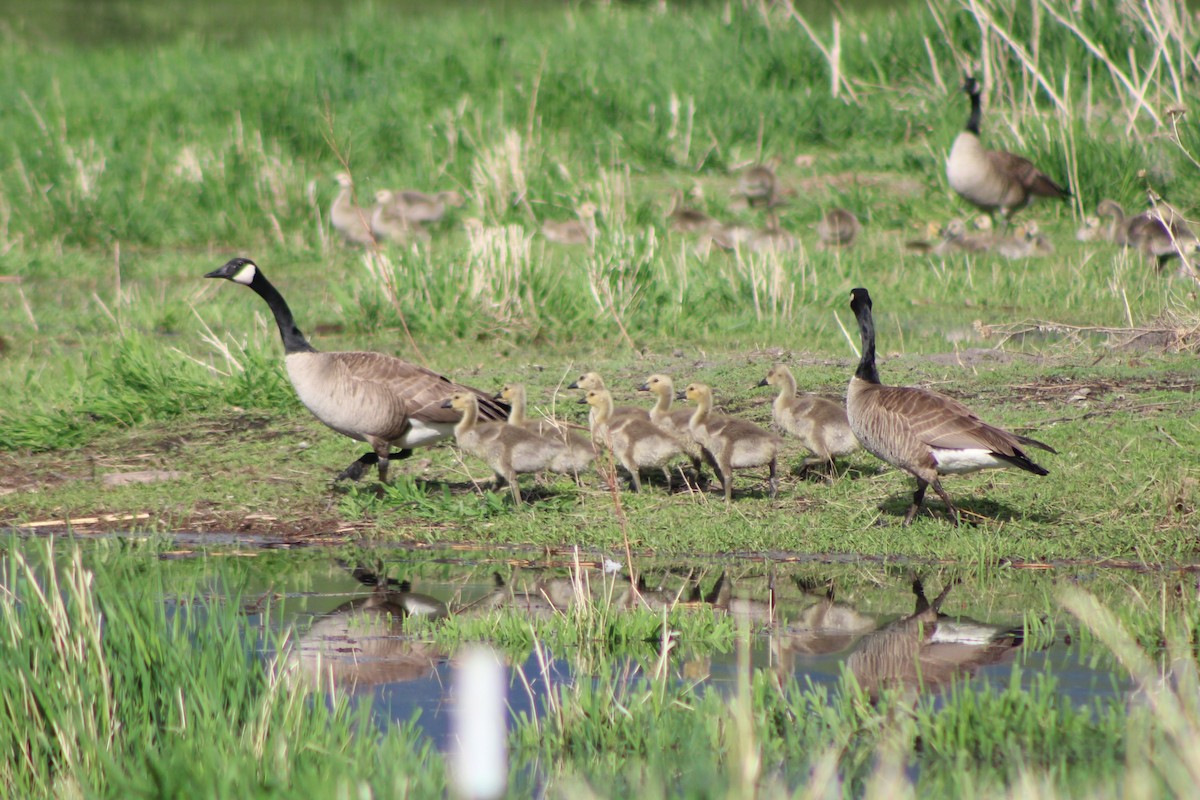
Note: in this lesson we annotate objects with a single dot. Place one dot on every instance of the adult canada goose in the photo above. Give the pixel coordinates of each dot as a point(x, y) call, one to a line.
point(579, 450)
point(573, 231)
point(734, 443)
point(350, 220)
point(635, 442)
point(993, 180)
point(1161, 234)
point(920, 431)
point(838, 228)
point(418, 208)
point(372, 397)
point(509, 450)
point(818, 422)
point(388, 223)
point(676, 422)
point(592, 380)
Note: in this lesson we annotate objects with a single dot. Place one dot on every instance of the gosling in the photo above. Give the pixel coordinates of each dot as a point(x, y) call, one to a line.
point(635, 442)
point(510, 451)
point(818, 422)
point(579, 451)
point(734, 443)
point(675, 421)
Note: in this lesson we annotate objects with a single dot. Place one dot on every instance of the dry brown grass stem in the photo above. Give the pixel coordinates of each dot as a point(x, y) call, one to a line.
point(832, 54)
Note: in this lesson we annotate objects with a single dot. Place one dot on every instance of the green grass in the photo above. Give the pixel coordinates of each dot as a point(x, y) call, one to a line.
point(115, 355)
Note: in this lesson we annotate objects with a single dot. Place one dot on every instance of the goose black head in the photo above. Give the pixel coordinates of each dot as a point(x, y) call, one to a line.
point(858, 299)
point(239, 270)
point(970, 85)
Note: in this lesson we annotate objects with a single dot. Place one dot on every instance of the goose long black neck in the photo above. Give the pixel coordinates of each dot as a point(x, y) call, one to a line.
point(972, 90)
point(860, 304)
point(293, 339)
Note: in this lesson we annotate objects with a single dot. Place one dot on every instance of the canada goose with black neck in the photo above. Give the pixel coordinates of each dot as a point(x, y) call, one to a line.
point(993, 180)
point(372, 397)
point(920, 431)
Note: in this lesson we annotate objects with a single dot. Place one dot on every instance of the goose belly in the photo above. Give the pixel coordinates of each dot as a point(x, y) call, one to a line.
point(423, 434)
point(973, 177)
point(951, 462)
point(751, 454)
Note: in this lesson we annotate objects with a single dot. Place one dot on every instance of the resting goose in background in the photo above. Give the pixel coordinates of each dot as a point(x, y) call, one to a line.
point(349, 219)
point(734, 443)
point(372, 397)
point(818, 422)
point(417, 208)
point(573, 231)
point(920, 431)
point(388, 223)
point(1161, 233)
point(685, 219)
point(838, 228)
point(759, 186)
point(993, 180)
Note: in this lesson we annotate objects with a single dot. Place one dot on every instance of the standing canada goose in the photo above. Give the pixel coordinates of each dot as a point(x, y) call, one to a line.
point(818, 422)
point(920, 431)
point(734, 443)
point(418, 208)
point(579, 451)
point(592, 380)
point(635, 442)
point(573, 231)
point(993, 180)
point(389, 223)
point(676, 422)
point(350, 220)
point(838, 228)
point(374, 398)
point(1161, 234)
point(509, 450)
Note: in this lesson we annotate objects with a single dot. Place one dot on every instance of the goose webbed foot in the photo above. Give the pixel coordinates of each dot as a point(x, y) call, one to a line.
point(359, 467)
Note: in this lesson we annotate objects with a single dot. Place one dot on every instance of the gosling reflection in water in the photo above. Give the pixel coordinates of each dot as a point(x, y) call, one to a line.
point(927, 649)
point(361, 643)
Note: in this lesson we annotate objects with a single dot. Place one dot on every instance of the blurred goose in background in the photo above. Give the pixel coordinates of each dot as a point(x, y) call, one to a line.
point(388, 224)
point(838, 228)
point(419, 208)
point(1091, 230)
point(684, 219)
point(372, 397)
point(734, 443)
point(818, 422)
point(573, 231)
point(1161, 233)
point(759, 186)
point(509, 450)
point(349, 219)
point(993, 180)
point(635, 442)
point(920, 431)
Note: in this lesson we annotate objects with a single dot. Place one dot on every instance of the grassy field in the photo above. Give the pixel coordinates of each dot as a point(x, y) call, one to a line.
point(134, 168)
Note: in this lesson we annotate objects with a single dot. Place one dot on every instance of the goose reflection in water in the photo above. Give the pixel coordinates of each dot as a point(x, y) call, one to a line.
point(361, 643)
point(927, 649)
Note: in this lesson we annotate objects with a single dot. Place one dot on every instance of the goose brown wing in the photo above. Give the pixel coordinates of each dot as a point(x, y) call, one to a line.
point(1022, 169)
point(936, 420)
point(423, 390)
